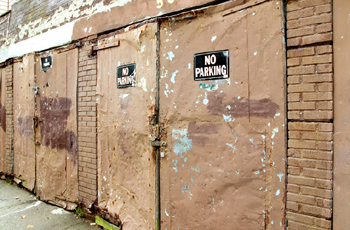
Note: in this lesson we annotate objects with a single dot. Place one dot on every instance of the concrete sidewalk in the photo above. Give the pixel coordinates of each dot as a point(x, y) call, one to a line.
point(20, 210)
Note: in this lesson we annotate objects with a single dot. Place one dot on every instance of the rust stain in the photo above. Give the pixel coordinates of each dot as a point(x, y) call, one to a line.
point(54, 114)
point(199, 134)
point(3, 117)
point(241, 107)
point(25, 124)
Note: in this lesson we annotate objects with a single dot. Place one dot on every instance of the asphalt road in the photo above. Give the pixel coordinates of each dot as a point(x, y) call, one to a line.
point(20, 210)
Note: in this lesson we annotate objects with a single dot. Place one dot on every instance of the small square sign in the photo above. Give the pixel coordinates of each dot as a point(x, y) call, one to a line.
point(211, 65)
point(126, 76)
point(46, 63)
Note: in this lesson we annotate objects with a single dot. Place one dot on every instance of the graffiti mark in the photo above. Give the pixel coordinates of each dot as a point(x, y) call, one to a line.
point(200, 134)
point(207, 86)
point(241, 107)
point(25, 124)
point(3, 117)
point(54, 114)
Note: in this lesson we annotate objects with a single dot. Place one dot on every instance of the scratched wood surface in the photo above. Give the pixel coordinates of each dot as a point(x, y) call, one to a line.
point(2, 120)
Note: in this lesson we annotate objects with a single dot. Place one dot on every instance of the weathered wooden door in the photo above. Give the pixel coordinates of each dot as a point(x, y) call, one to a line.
point(2, 120)
point(126, 165)
point(56, 128)
point(23, 114)
point(224, 166)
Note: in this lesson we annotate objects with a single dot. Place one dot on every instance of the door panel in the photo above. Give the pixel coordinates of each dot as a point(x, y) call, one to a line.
point(125, 161)
point(2, 120)
point(23, 111)
point(225, 161)
point(56, 104)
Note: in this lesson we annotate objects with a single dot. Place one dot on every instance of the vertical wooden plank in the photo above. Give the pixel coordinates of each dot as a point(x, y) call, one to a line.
point(2, 120)
point(24, 145)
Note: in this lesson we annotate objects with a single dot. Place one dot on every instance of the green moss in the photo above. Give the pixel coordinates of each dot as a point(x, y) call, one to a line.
point(9, 181)
point(79, 211)
point(105, 224)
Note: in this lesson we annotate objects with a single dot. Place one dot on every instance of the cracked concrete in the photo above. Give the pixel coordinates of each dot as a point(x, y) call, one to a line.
point(19, 209)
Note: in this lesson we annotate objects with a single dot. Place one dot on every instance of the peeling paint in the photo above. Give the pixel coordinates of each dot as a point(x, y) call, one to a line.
point(184, 144)
point(173, 76)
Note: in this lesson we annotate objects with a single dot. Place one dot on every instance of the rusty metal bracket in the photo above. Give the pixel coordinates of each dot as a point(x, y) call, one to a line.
point(96, 48)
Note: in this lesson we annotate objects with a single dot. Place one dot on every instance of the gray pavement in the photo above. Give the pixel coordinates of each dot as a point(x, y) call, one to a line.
point(20, 210)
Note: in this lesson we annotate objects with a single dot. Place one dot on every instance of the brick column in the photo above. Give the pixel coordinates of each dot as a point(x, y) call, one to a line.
point(87, 125)
point(9, 119)
point(310, 114)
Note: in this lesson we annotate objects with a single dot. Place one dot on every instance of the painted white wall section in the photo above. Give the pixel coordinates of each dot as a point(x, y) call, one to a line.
point(52, 38)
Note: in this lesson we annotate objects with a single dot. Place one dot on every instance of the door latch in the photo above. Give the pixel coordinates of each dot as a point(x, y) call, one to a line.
point(161, 144)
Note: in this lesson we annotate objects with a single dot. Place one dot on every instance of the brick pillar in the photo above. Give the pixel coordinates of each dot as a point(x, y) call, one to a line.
point(310, 114)
point(9, 119)
point(87, 125)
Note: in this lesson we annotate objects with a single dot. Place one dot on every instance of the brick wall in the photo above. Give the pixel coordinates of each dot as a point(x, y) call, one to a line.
point(87, 125)
point(310, 114)
point(9, 119)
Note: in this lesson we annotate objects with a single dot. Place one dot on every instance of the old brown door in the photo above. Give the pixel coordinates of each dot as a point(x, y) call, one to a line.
point(224, 164)
point(56, 128)
point(126, 165)
point(23, 125)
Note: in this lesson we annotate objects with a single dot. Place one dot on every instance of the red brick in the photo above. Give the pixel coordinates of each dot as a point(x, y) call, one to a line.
point(325, 127)
point(293, 170)
point(300, 218)
point(324, 184)
point(303, 70)
point(293, 61)
point(294, 153)
point(317, 19)
point(293, 79)
point(315, 211)
point(325, 68)
point(302, 106)
point(318, 78)
point(293, 41)
point(324, 49)
point(293, 188)
point(323, 136)
point(293, 97)
point(323, 223)
point(302, 144)
point(299, 226)
point(292, 206)
point(325, 145)
point(318, 115)
point(297, 5)
point(317, 38)
point(317, 154)
point(298, 32)
point(316, 173)
point(324, 28)
point(327, 58)
point(301, 13)
point(301, 52)
point(300, 180)
point(301, 198)
point(294, 135)
point(301, 88)
point(323, 9)
point(325, 105)
point(302, 126)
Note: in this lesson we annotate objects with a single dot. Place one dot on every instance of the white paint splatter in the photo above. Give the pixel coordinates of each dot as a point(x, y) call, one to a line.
point(232, 146)
point(227, 118)
point(59, 211)
point(278, 192)
point(255, 53)
point(280, 175)
point(104, 178)
point(171, 55)
point(142, 84)
point(213, 38)
point(176, 47)
point(274, 131)
point(173, 76)
point(205, 100)
point(251, 140)
point(228, 107)
point(189, 65)
point(166, 213)
point(143, 47)
point(257, 172)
